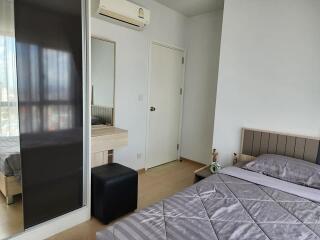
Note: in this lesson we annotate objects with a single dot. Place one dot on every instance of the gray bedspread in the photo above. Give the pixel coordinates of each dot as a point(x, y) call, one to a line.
point(225, 208)
point(10, 156)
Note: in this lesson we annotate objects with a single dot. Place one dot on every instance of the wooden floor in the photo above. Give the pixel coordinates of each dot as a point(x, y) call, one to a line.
point(11, 218)
point(154, 185)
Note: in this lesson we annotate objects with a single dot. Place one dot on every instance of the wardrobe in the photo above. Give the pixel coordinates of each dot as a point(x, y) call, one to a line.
point(50, 48)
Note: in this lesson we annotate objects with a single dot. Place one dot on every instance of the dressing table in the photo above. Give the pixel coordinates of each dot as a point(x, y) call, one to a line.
point(103, 140)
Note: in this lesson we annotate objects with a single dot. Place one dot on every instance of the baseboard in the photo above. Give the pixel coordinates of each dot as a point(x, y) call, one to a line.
point(141, 171)
point(182, 159)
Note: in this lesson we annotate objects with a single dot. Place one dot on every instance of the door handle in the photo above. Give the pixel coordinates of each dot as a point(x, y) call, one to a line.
point(152, 109)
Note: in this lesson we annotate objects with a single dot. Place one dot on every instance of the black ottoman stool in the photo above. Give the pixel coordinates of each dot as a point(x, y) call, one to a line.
point(114, 192)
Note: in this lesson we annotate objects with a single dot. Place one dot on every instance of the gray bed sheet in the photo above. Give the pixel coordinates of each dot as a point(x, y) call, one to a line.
point(10, 164)
point(222, 207)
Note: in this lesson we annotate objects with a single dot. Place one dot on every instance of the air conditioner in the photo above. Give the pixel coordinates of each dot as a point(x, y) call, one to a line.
point(125, 11)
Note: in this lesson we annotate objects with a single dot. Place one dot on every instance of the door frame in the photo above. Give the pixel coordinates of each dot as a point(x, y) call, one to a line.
point(166, 45)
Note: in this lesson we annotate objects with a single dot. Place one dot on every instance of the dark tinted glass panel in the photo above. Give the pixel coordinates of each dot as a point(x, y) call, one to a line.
point(49, 69)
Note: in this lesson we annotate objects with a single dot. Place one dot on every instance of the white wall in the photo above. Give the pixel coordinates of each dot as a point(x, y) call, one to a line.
point(6, 18)
point(269, 74)
point(203, 36)
point(132, 60)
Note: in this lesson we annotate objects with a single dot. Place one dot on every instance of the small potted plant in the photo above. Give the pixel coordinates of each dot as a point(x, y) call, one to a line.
point(215, 165)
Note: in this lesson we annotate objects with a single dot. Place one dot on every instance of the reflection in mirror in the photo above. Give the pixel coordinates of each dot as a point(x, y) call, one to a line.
point(11, 215)
point(103, 81)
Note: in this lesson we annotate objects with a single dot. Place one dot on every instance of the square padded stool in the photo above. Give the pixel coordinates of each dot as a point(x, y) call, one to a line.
point(114, 192)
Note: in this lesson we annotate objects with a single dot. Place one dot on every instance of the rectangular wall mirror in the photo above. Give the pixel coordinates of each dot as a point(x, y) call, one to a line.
point(103, 81)
point(11, 213)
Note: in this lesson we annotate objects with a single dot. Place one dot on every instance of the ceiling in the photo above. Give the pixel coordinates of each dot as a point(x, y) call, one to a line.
point(192, 8)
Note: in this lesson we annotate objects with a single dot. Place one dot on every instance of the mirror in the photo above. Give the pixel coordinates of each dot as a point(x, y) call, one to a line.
point(11, 213)
point(103, 81)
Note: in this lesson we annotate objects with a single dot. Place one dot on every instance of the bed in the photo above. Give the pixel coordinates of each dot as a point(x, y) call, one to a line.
point(235, 203)
point(10, 167)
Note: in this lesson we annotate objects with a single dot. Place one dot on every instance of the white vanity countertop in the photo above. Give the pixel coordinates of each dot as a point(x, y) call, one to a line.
point(106, 138)
point(101, 131)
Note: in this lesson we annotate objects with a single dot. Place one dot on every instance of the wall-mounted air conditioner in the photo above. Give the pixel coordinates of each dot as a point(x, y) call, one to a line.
point(125, 11)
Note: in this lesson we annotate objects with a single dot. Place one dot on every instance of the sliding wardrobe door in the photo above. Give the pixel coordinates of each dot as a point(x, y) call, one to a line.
point(49, 67)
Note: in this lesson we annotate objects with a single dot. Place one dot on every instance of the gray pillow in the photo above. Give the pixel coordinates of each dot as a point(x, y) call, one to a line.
point(288, 169)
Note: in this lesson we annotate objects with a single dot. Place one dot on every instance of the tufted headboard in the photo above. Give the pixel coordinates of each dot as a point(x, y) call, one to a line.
point(256, 142)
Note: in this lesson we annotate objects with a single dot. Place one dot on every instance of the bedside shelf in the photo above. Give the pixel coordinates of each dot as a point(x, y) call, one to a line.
point(202, 173)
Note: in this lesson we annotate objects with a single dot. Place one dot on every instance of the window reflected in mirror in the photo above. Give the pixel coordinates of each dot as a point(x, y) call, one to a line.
point(103, 81)
point(46, 107)
point(11, 213)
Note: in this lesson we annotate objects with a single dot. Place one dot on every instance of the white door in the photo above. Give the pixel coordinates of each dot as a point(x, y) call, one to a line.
point(165, 99)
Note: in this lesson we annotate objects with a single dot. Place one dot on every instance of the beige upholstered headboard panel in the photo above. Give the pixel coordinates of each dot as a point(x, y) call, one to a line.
point(257, 142)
